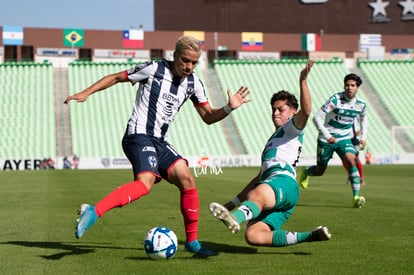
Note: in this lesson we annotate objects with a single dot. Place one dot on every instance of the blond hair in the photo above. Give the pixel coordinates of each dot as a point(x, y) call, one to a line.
point(187, 43)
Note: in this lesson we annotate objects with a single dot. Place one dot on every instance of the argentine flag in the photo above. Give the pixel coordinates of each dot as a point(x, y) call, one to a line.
point(12, 35)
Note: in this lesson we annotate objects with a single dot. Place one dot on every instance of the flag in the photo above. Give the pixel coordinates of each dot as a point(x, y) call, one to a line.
point(199, 35)
point(73, 38)
point(252, 41)
point(311, 42)
point(133, 39)
point(369, 40)
point(12, 35)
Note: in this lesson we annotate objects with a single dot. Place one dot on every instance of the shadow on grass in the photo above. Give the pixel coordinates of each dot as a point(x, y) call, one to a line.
point(79, 249)
point(69, 249)
point(234, 249)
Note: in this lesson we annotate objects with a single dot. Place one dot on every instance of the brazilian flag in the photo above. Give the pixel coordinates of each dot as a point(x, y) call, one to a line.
point(73, 38)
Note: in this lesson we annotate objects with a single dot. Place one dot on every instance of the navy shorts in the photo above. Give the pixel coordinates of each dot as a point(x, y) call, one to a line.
point(149, 154)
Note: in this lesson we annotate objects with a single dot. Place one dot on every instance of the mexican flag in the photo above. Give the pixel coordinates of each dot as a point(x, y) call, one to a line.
point(311, 42)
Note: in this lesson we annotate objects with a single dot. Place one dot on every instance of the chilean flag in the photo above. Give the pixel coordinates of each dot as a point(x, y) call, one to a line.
point(133, 39)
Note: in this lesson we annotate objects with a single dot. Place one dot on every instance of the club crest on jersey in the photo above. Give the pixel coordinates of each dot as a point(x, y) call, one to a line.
point(152, 161)
point(190, 90)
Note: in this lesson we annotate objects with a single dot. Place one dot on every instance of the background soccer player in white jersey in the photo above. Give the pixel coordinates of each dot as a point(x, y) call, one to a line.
point(270, 198)
point(334, 121)
point(164, 86)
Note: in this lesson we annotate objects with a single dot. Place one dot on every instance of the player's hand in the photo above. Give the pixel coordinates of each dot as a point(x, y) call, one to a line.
point(331, 140)
point(79, 97)
point(362, 144)
point(304, 73)
point(239, 97)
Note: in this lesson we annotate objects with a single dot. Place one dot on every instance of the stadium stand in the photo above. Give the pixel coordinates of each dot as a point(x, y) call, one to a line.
point(392, 80)
point(27, 115)
point(28, 112)
point(266, 77)
point(97, 126)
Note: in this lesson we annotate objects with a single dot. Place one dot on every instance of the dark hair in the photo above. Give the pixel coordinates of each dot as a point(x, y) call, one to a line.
point(354, 77)
point(291, 100)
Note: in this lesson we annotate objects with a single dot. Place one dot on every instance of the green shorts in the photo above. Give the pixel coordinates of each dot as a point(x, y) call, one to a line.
point(287, 195)
point(324, 151)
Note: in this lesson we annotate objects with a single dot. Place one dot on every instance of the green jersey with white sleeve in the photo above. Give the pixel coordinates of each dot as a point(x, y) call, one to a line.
point(336, 117)
point(282, 151)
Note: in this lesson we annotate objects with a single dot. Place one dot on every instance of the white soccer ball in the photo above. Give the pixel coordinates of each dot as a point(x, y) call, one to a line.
point(160, 243)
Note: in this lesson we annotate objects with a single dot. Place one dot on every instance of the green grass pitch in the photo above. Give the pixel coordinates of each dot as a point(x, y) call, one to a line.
point(38, 213)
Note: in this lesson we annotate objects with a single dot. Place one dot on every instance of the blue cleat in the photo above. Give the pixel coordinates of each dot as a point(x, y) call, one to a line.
point(87, 217)
point(196, 247)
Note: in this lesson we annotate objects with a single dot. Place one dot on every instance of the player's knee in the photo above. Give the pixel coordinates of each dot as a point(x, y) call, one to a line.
point(184, 181)
point(253, 238)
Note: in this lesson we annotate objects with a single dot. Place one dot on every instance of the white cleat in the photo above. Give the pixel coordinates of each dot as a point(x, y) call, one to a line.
point(221, 213)
point(320, 233)
point(359, 201)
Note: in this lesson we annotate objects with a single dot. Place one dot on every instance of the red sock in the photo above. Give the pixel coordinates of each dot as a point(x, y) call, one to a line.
point(360, 170)
point(121, 196)
point(345, 165)
point(190, 207)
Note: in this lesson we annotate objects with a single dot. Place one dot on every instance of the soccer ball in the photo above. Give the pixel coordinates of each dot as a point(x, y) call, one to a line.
point(160, 243)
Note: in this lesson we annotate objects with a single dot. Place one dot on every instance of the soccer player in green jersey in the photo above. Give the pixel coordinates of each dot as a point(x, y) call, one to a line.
point(269, 199)
point(334, 121)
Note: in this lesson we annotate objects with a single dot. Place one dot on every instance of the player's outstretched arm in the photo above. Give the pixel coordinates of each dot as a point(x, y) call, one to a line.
point(303, 114)
point(102, 84)
point(210, 115)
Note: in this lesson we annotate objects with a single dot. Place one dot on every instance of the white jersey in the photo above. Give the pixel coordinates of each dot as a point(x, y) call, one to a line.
point(340, 114)
point(160, 96)
point(282, 151)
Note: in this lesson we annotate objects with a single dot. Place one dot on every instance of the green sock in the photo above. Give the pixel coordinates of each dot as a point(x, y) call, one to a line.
point(284, 238)
point(279, 238)
point(247, 210)
point(355, 180)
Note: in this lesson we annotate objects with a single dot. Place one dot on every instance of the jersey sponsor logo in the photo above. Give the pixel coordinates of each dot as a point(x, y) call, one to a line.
point(170, 98)
point(139, 67)
point(148, 149)
point(280, 194)
point(345, 119)
point(168, 110)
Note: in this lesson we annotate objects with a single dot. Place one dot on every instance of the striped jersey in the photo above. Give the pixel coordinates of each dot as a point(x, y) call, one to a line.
point(340, 115)
point(282, 151)
point(160, 96)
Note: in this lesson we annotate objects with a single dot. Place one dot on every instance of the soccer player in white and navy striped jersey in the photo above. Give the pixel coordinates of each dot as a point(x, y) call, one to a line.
point(164, 86)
